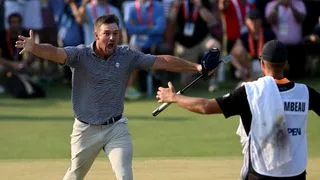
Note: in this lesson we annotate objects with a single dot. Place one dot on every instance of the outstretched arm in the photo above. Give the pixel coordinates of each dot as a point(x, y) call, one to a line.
point(193, 104)
point(45, 51)
point(175, 64)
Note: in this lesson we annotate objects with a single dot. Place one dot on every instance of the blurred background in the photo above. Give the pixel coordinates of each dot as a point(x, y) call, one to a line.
point(185, 28)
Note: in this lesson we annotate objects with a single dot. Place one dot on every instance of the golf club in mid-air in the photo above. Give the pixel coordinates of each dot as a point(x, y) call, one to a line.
point(163, 106)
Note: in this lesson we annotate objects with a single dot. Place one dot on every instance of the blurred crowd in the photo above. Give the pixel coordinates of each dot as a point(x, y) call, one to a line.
point(184, 28)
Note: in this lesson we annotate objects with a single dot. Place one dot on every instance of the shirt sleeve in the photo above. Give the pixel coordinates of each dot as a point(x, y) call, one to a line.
point(314, 100)
point(73, 55)
point(234, 103)
point(143, 61)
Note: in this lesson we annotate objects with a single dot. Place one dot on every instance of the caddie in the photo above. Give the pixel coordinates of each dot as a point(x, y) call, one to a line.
point(274, 113)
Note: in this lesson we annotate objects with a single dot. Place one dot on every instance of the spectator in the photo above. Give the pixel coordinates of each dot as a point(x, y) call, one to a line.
point(312, 45)
point(48, 34)
point(1, 32)
point(312, 17)
point(24, 8)
point(253, 40)
point(70, 33)
point(261, 6)
point(193, 20)
point(286, 18)
point(166, 6)
point(146, 23)
point(234, 14)
point(9, 53)
point(16, 71)
point(116, 3)
point(2, 15)
point(89, 11)
point(216, 29)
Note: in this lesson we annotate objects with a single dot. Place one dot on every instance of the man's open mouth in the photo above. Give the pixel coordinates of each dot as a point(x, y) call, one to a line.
point(110, 45)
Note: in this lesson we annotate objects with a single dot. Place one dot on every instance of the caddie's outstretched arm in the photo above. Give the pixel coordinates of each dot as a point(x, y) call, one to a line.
point(193, 104)
point(45, 51)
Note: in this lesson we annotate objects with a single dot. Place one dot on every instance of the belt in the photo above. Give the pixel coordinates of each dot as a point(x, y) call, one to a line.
point(109, 121)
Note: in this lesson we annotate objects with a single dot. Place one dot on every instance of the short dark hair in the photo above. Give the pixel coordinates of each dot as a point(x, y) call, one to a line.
point(274, 51)
point(106, 19)
point(276, 67)
point(13, 15)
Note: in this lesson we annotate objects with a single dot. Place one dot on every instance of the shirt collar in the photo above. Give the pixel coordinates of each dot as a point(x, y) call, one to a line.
point(92, 45)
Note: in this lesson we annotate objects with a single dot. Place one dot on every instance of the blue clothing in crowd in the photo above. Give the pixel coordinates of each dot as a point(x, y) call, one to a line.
point(92, 13)
point(68, 29)
point(145, 25)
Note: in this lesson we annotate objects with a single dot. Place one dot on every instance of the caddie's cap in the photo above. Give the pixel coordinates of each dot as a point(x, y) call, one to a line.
point(274, 51)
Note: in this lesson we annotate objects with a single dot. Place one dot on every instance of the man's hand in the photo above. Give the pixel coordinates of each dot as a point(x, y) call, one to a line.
point(26, 43)
point(166, 94)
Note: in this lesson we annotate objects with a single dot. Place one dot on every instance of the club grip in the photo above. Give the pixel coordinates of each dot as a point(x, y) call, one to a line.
point(158, 110)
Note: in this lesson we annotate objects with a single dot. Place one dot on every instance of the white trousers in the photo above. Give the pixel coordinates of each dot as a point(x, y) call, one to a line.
point(88, 140)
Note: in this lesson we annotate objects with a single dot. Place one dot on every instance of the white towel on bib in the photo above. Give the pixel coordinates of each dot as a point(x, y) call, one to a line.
point(269, 137)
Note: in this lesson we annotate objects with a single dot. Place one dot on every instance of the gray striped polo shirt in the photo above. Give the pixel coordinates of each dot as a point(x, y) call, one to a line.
point(98, 85)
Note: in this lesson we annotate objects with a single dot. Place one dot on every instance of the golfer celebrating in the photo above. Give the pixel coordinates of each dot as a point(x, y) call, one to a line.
point(100, 75)
point(273, 113)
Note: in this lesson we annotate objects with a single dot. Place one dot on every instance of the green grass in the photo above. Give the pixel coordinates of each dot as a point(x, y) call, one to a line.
point(40, 129)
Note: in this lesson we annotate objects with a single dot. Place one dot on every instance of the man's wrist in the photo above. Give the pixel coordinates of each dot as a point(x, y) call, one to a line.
point(174, 98)
point(33, 48)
